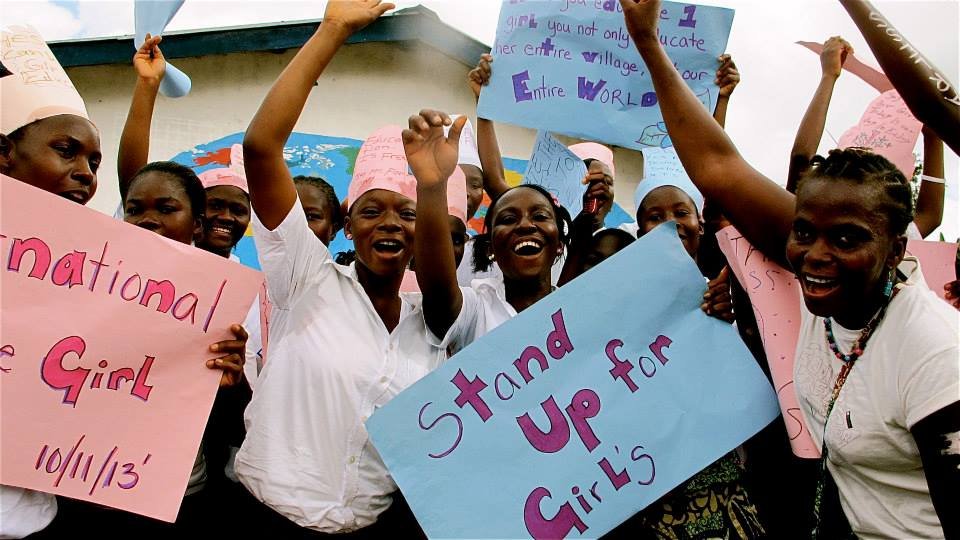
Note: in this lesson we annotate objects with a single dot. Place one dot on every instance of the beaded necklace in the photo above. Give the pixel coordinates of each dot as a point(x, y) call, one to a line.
point(848, 362)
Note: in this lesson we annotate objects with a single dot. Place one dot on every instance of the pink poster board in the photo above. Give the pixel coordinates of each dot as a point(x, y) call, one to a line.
point(775, 295)
point(887, 128)
point(937, 261)
point(105, 331)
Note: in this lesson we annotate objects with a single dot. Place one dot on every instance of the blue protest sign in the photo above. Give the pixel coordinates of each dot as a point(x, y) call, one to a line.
point(579, 412)
point(152, 17)
point(570, 66)
point(553, 166)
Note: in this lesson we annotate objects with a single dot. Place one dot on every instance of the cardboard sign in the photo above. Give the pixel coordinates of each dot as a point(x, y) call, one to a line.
point(570, 66)
point(106, 329)
point(560, 171)
point(775, 297)
point(887, 128)
point(937, 262)
point(582, 410)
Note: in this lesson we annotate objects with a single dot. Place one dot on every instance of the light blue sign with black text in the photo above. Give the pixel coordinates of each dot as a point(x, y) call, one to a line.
point(558, 170)
point(570, 66)
point(582, 410)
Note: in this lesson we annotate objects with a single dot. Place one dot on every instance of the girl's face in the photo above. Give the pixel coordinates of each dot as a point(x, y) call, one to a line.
point(474, 188)
point(59, 154)
point(841, 249)
point(603, 248)
point(524, 236)
point(670, 203)
point(158, 202)
point(225, 219)
point(382, 224)
point(318, 211)
point(458, 235)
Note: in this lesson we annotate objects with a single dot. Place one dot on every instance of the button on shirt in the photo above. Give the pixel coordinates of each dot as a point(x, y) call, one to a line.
point(332, 363)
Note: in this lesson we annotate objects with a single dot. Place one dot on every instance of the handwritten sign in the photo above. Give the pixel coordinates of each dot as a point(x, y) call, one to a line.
point(106, 328)
point(887, 128)
point(570, 66)
point(775, 296)
point(582, 410)
point(553, 166)
point(937, 261)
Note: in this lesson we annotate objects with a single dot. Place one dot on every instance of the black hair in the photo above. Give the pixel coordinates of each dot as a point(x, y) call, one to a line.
point(336, 212)
point(481, 242)
point(862, 166)
point(184, 175)
point(693, 203)
point(624, 237)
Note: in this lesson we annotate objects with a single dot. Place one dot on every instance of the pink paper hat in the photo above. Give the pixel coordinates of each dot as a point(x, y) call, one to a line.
point(469, 155)
point(227, 176)
point(599, 152)
point(457, 195)
point(382, 164)
point(33, 85)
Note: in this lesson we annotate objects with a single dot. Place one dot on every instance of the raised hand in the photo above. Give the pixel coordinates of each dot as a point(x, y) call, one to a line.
point(480, 75)
point(727, 76)
point(352, 15)
point(149, 61)
point(598, 199)
point(834, 55)
point(431, 155)
point(641, 18)
point(231, 363)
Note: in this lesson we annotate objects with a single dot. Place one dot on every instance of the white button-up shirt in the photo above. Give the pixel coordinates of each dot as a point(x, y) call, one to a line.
point(332, 364)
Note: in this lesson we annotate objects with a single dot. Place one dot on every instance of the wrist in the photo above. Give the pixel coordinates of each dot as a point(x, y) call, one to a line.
point(431, 185)
point(334, 29)
point(149, 82)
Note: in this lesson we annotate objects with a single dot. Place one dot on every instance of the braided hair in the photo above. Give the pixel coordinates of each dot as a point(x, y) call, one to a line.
point(481, 242)
point(862, 166)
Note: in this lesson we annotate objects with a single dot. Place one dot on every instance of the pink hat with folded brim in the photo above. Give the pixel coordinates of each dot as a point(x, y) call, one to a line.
point(457, 195)
point(382, 164)
point(227, 176)
point(599, 152)
point(33, 85)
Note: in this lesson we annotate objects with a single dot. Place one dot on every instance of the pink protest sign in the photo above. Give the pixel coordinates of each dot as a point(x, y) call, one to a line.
point(937, 261)
point(870, 75)
point(887, 128)
point(775, 295)
point(106, 328)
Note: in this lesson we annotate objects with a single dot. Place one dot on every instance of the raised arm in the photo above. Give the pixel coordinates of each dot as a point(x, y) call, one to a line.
point(135, 139)
point(929, 211)
point(925, 89)
point(761, 210)
point(272, 192)
point(728, 77)
point(494, 179)
point(835, 52)
point(433, 158)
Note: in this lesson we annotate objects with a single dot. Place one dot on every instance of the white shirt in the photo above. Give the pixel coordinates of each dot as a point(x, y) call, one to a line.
point(466, 274)
point(913, 232)
point(484, 308)
point(24, 511)
point(332, 363)
point(909, 369)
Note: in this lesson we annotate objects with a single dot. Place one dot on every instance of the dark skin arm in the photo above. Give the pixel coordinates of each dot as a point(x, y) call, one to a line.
point(433, 158)
point(760, 209)
point(494, 179)
point(585, 224)
point(272, 192)
point(835, 52)
point(728, 77)
point(930, 96)
point(929, 212)
point(938, 440)
point(135, 139)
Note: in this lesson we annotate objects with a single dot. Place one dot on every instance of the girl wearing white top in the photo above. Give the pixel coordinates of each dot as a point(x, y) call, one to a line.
point(347, 341)
point(876, 371)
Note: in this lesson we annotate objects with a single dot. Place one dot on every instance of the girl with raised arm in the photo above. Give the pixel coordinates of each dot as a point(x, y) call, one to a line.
point(876, 368)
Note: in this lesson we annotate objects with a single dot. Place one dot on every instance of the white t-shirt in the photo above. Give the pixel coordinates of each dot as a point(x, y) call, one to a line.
point(466, 274)
point(24, 511)
point(484, 308)
point(913, 232)
point(332, 363)
point(909, 369)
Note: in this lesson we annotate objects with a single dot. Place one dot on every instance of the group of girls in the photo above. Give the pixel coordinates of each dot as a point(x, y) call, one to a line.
point(346, 336)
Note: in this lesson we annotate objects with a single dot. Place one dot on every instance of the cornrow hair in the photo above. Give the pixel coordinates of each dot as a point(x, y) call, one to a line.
point(481, 242)
point(336, 211)
point(862, 166)
point(184, 175)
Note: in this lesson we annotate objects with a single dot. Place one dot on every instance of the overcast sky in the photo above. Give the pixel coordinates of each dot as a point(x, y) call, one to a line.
point(779, 77)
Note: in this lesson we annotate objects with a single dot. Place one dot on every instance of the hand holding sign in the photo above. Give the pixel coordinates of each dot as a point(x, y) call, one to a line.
point(151, 18)
point(149, 61)
point(834, 55)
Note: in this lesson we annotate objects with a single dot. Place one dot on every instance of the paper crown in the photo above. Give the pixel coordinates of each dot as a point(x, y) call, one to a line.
point(662, 167)
point(469, 155)
point(233, 175)
point(457, 195)
point(33, 85)
point(382, 164)
point(599, 152)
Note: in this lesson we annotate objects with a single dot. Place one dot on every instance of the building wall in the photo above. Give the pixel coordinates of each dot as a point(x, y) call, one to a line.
point(367, 85)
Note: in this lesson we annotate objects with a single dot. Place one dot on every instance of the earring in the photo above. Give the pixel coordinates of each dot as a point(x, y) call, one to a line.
point(888, 289)
point(490, 257)
point(348, 236)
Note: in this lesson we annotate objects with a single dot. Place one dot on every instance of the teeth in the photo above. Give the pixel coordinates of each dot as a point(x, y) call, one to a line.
point(819, 281)
point(525, 243)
